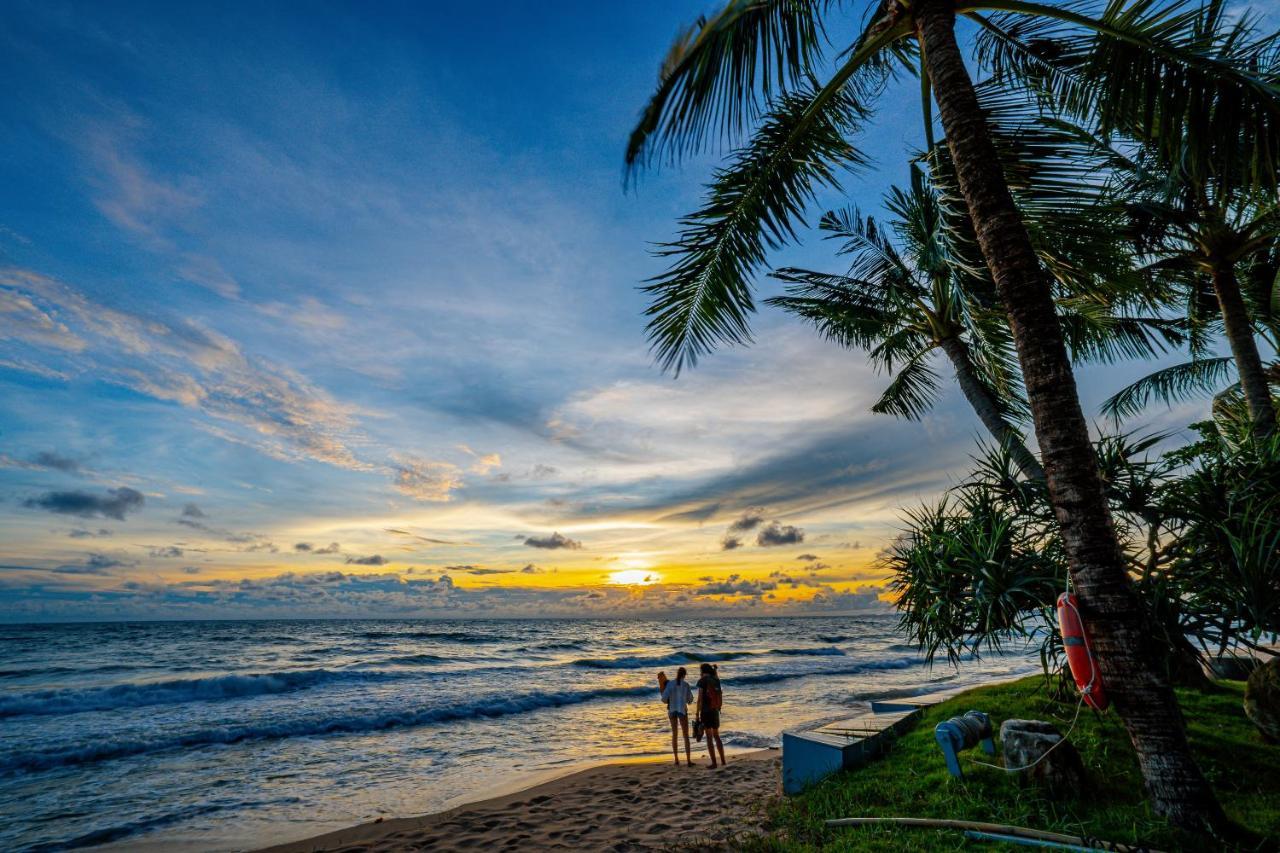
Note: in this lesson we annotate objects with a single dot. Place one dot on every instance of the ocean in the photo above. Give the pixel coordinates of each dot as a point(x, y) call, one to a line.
point(216, 736)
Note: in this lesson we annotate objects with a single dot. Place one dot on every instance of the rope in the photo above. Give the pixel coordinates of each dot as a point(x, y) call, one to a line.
point(1085, 691)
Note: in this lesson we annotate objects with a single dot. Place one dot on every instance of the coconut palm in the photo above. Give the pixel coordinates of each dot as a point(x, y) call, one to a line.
point(905, 306)
point(1219, 244)
point(1206, 233)
point(1141, 68)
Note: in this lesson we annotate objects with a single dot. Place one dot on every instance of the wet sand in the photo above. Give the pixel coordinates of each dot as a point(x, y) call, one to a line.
point(622, 807)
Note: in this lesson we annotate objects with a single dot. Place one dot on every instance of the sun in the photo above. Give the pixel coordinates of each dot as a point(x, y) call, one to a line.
point(635, 577)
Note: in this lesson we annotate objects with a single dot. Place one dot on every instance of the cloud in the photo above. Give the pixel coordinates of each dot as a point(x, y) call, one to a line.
point(424, 539)
point(247, 400)
point(167, 552)
point(424, 480)
point(94, 564)
point(484, 464)
point(808, 558)
point(56, 461)
point(778, 534)
point(729, 543)
point(80, 533)
point(192, 511)
point(749, 520)
point(531, 569)
point(375, 560)
point(736, 585)
point(191, 570)
point(478, 570)
point(308, 548)
point(552, 542)
point(116, 503)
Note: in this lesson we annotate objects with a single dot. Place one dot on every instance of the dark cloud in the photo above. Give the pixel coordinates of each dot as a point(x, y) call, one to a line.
point(798, 580)
point(375, 560)
point(56, 461)
point(728, 543)
point(192, 511)
point(555, 540)
point(478, 570)
point(736, 585)
point(116, 503)
point(808, 558)
point(89, 534)
point(531, 569)
point(749, 520)
point(779, 534)
point(308, 548)
point(191, 570)
point(167, 551)
point(94, 564)
point(427, 539)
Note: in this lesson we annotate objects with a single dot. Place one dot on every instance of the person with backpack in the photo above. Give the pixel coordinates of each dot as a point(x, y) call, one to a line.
point(677, 695)
point(710, 700)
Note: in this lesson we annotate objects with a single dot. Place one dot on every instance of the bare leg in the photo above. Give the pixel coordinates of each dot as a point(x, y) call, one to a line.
point(715, 735)
point(675, 750)
point(684, 726)
point(711, 745)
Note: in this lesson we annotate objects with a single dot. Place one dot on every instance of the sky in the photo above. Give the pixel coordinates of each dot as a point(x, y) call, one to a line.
point(331, 310)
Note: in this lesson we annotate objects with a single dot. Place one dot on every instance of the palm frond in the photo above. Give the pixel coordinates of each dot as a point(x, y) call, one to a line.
point(1170, 385)
point(1195, 82)
point(912, 390)
point(754, 205)
point(721, 70)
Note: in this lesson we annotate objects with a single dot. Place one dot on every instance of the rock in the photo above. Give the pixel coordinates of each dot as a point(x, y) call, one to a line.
point(1262, 699)
point(1025, 744)
point(1233, 667)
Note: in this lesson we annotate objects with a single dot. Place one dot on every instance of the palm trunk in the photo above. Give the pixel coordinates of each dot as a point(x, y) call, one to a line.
point(987, 408)
point(1126, 656)
point(1244, 348)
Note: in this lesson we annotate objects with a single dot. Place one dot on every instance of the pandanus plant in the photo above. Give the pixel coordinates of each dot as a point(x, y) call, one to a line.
point(1139, 67)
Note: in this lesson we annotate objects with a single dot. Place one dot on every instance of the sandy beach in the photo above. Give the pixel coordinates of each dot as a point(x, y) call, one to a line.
point(633, 806)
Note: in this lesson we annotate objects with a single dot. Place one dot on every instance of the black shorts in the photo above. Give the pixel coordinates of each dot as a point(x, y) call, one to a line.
point(711, 718)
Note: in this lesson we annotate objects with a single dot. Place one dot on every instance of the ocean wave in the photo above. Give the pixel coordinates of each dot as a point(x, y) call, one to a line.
point(834, 638)
point(104, 749)
point(176, 691)
point(750, 740)
point(450, 636)
point(683, 657)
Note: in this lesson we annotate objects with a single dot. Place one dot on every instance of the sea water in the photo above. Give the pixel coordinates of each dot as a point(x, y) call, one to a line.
point(233, 735)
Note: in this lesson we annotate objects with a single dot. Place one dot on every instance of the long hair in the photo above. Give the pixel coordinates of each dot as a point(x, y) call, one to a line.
point(710, 669)
point(680, 674)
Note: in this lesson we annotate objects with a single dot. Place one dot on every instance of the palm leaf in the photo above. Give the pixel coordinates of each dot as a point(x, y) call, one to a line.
point(912, 391)
point(720, 71)
point(1170, 385)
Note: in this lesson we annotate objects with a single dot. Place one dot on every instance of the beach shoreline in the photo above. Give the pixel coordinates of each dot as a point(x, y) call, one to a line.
point(645, 803)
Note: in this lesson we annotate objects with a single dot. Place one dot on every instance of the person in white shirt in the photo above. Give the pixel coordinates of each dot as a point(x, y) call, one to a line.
point(677, 694)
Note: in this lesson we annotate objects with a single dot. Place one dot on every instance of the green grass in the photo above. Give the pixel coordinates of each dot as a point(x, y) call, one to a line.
point(911, 781)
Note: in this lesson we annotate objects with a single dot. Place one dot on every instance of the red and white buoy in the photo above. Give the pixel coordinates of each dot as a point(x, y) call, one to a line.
point(1075, 641)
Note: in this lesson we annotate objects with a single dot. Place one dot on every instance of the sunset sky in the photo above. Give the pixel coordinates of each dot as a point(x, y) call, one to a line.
point(304, 313)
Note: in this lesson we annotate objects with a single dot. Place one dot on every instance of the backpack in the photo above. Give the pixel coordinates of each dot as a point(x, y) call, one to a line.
point(715, 695)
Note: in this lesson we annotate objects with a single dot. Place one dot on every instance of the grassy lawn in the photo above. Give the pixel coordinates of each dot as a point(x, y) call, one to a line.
point(912, 781)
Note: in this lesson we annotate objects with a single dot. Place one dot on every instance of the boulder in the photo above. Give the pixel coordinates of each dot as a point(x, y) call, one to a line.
point(1233, 667)
point(1037, 746)
point(1262, 699)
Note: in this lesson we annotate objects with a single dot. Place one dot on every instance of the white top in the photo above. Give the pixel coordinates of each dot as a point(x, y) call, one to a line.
point(677, 695)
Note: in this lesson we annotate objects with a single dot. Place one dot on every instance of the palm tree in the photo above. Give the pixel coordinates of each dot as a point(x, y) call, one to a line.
point(903, 310)
point(1141, 67)
point(1207, 234)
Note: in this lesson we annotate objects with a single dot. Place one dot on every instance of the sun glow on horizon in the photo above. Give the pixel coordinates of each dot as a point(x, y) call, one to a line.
point(634, 577)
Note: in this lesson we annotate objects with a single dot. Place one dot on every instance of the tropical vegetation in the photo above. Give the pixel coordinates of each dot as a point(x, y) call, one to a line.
point(1105, 187)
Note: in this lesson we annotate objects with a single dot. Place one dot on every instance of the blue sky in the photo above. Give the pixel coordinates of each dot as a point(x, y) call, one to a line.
point(331, 309)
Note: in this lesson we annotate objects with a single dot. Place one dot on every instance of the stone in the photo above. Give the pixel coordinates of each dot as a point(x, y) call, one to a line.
point(1262, 699)
point(1050, 763)
point(1233, 667)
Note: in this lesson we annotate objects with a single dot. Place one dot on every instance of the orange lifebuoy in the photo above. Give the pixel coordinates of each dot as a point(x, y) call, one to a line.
point(1075, 641)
